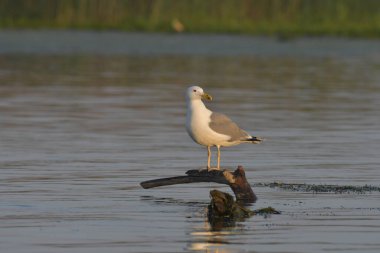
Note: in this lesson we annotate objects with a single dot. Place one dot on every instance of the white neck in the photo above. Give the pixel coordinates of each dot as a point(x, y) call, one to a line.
point(195, 104)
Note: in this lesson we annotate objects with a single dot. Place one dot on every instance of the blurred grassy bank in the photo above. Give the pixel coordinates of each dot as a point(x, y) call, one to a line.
point(260, 17)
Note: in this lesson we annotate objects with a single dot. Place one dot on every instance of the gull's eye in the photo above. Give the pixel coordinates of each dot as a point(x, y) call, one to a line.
point(195, 90)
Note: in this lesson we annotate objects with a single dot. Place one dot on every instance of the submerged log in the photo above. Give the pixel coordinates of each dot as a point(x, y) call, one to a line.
point(236, 180)
point(223, 211)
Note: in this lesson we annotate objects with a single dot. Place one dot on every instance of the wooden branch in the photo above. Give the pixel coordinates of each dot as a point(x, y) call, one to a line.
point(236, 180)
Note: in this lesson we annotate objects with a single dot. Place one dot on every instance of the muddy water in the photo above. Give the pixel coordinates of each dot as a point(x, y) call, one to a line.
point(85, 117)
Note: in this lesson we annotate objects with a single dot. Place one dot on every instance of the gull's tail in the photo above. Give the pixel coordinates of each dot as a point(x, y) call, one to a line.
point(255, 140)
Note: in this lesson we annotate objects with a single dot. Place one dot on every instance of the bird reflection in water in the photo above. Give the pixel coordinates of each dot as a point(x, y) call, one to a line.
point(211, 241)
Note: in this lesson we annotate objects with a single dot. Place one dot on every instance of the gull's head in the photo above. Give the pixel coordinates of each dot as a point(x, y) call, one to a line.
point(196, 92)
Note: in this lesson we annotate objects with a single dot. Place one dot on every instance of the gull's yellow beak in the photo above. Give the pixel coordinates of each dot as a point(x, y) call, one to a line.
point(206, 96)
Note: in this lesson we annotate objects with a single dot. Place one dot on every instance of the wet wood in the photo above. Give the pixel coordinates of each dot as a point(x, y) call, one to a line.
point(236, 180)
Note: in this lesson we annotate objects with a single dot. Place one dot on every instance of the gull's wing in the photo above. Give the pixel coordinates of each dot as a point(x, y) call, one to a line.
point(221, 124)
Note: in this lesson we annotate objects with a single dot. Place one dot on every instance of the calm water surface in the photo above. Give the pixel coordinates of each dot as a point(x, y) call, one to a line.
point(85, 117)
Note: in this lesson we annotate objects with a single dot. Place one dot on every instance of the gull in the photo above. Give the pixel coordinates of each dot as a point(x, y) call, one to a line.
point(209, 128)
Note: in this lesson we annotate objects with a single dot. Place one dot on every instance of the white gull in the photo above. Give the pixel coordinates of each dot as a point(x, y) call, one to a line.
point(209, 128)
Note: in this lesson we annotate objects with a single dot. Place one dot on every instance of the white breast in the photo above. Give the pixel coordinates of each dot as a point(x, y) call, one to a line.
point(197, 125)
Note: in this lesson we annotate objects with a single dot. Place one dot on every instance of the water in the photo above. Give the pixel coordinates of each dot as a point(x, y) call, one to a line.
point(85, 117)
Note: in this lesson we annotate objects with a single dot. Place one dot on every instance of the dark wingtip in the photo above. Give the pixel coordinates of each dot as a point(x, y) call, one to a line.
point(256, 140)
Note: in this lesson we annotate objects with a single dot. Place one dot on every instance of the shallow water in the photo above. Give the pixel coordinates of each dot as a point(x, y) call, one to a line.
point(85, 117)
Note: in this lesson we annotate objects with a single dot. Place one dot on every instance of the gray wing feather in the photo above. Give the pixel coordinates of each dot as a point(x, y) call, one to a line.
point(221, 124)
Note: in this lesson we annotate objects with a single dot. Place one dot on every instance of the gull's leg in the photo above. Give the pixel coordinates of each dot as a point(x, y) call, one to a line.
point(208, 157)
point(218, 147)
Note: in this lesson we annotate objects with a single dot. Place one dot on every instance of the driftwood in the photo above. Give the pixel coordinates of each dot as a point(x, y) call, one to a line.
point(223, 211)
point(236, 180)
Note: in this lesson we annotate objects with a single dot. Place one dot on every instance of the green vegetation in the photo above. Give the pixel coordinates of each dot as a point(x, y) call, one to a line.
point(321, 188)
point(269, 17)
point(266, 211)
